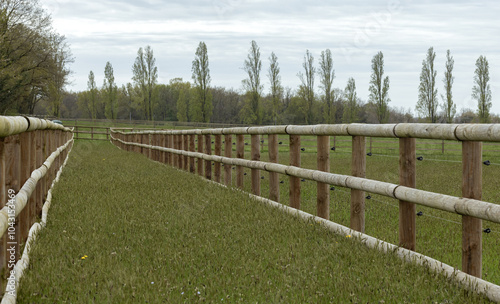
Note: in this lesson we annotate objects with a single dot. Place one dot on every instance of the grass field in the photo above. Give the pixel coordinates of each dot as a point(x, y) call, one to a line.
point(123, 229)
point(438, 233)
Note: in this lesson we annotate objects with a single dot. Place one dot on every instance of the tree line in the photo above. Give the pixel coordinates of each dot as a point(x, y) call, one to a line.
point(198, 101)
point(34, 71)
point(33, 59)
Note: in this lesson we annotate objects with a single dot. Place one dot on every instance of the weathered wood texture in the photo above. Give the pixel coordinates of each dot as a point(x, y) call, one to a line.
point(228, 151)
point(294, 180)
point(323, 191)
point(407, 177)
point(217, 151)
point(240, 153)
point(274, 190)
point(255, 173)
point(358, 169)
point(472, 178)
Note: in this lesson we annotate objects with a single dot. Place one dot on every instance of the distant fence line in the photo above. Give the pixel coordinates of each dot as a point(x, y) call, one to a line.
point(178, 148)
point(32, 153)
point(338, 143)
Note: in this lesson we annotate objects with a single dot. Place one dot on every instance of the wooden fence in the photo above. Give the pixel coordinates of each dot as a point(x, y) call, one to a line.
point(178, 148)
point(32, 154)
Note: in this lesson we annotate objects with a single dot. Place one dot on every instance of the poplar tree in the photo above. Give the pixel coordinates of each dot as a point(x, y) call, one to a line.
point(481, 90)
point(450, 108)
point(327, 75)
point(252, 66)
point(379, 88)
point(306, 89)
point(427, 92)
point(276, 88)
point(202, 102)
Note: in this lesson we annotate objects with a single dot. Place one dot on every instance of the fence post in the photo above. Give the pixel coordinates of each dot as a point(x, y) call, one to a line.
point(358, 169)
point(13, 182)
point(150, 141)
point(91, 132)
point(171, 144)
point(3, 202)
point(208, 150)
point(472, 227)
point(240, 153)
point(218, 151)
point(32, 167)
point(40, 153)
point(177, 157)
point(192, 148)
point(442, 146)
point(407, 178)
point(371, 138)
point(255, 173)
point(186, 148)
point(322, 189)
point(24, 216)
point(274, 190)
point(295, 181)
point(228, 151)
point(168, 155)
point(200, 150)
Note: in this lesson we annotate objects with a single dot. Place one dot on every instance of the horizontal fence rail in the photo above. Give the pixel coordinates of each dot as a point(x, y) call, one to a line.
point(177, 148)
point(32, 154)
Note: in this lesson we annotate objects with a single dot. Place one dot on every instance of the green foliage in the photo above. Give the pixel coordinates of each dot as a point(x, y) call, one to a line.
point(184, 106)
point(379, 88)
point(450, 108)
point(110, 91)
point(481, 90)
point(327, 75)
point(93, 95)
point(350, 102)
point(202, 102)
point(306, 89)
point(33, 58)
point(145, 77)
point(427, 92)
point(276, 87)
point(251, 112)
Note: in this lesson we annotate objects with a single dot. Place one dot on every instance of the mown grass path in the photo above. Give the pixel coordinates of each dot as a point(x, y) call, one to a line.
point(124, 229)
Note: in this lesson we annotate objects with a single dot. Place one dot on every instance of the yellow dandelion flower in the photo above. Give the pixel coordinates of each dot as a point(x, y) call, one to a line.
point(83, 258)
point(348, 236)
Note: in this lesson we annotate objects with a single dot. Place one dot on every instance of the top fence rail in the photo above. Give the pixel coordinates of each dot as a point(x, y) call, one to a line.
point(460, 132)
point(12, 125)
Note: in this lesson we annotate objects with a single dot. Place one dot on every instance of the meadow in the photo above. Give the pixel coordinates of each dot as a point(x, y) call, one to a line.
point(125, 229)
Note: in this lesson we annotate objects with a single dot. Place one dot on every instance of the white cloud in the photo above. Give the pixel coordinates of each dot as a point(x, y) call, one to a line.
point(403, 30)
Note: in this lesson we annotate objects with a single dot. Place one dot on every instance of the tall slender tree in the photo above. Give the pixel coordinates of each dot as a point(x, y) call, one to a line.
point(110, 91)
point(450, 108)
point(350, 102)
point(481, 90)
point(92, 98)
point(202, 102)
point(306, 89)
point(276, 88)
point(379, 88)
point(427, 92)
point(251, 111)
point(327, 75)
point(145, 76)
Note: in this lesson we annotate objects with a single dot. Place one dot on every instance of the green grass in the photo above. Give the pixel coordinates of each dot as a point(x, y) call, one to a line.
point(439, 233)
point(153, 234)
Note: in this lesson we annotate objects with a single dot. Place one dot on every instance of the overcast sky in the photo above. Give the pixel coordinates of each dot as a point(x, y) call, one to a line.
point(112, 30)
